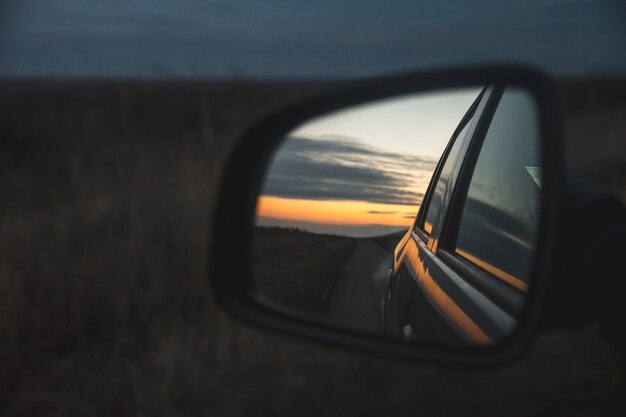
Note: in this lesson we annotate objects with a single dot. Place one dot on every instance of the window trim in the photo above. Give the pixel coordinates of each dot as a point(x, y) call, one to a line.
point(422, 234)
point(418, 224)
point(452, 220)
point(507, 297)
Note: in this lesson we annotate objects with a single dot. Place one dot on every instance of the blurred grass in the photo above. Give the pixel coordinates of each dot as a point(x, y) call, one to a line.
point(106, 190)
point(279, 255)
point(595, 130)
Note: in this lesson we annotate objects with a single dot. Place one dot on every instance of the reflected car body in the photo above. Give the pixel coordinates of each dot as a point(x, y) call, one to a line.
point(447, 285)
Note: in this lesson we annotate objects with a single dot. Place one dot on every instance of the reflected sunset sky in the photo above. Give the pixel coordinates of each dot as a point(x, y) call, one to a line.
point(361, 171)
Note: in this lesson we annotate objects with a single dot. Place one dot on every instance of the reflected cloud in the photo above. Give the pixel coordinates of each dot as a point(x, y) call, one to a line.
point(342, 168)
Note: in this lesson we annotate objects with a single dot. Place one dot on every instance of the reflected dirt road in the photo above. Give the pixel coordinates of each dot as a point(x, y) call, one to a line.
point(355, 298)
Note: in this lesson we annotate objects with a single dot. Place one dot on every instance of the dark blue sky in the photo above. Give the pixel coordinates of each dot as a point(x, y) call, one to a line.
point(322, 38)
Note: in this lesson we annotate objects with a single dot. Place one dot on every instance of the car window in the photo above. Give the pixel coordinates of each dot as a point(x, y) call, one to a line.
point(502, 204)
point(435, 204)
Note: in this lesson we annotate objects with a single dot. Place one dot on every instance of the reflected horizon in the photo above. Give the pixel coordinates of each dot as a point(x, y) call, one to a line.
point(352, 174)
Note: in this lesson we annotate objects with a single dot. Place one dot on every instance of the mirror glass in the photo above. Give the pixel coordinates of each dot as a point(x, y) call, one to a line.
point(413, 217)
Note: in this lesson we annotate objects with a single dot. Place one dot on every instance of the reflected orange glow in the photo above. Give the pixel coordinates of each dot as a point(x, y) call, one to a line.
point(453, 310)
point(443, 300)
point(504, 276)
point(352, 213)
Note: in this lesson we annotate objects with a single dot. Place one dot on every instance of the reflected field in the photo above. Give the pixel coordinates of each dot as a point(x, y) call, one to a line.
point(332, 279)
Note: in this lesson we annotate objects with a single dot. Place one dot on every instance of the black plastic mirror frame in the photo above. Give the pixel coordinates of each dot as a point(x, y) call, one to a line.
point(230, 269)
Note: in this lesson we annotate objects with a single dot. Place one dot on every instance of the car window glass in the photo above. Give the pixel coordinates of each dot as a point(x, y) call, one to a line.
point(436, 200)
point(498, 226)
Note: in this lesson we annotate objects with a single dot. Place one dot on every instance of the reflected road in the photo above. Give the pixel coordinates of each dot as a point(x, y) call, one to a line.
point(355, 298)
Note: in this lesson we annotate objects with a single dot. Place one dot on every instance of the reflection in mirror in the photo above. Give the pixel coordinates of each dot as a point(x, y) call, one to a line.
point(340, 237)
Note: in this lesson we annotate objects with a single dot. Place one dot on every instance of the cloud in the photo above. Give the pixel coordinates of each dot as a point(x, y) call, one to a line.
point(199, 38)
point(341, 168)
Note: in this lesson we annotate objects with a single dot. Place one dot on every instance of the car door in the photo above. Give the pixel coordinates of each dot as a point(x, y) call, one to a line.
point(452, 287)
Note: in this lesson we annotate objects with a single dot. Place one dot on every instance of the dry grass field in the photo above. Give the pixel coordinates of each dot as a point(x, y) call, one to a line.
point(297, 269)
point(105, 308)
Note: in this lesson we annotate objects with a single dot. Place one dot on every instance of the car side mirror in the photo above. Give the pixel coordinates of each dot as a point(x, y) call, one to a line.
point(411, 215)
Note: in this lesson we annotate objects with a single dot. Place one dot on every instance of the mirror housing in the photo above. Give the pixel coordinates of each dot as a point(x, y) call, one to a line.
point(233, 218)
